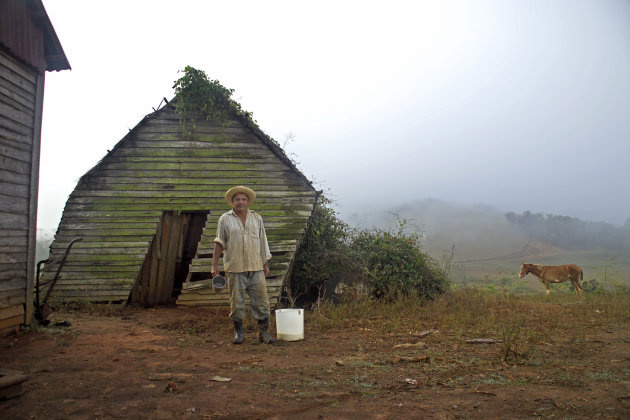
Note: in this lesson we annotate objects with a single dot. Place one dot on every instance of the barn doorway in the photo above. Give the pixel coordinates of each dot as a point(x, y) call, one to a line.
point(166, 265)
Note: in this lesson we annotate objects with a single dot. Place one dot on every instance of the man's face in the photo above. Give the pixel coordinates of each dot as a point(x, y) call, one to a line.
point(240, 202)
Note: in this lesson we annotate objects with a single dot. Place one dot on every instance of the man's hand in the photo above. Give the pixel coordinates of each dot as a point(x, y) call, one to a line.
point(266, 269)
point(215, 270)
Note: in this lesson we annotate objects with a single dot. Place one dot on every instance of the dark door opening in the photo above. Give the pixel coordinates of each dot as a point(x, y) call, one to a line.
point(166, 265)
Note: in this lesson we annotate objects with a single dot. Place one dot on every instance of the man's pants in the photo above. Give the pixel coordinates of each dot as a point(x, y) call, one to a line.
point(254, 284)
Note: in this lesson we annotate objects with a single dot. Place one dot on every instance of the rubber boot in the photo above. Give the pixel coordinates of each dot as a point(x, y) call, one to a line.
point(238, 332)
point(263, 334)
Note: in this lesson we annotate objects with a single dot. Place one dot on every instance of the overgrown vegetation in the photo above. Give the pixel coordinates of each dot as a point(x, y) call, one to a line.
point(393, 262)
point(197, 97)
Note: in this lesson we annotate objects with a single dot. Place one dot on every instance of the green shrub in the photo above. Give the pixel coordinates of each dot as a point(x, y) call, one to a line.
point(393, 262)
point(592, 286)
point(322, 253)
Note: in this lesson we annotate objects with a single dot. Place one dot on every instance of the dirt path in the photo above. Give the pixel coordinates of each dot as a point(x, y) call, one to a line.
point(161, 363)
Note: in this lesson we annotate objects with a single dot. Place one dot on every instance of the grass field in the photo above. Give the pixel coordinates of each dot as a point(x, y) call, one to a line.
point(611, 269)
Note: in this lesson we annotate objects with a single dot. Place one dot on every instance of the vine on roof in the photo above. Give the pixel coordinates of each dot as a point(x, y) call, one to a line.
point(198, 97)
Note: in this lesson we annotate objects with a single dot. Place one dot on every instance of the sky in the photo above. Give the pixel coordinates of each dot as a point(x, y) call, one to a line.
point(516, 104)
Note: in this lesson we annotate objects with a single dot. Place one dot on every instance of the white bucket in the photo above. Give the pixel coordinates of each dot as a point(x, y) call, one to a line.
point(290, 324)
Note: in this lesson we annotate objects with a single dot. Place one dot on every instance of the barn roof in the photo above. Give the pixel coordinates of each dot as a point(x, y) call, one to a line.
point(20, 23)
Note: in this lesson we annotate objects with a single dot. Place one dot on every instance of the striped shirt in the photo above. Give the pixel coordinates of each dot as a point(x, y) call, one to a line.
point(244, 248)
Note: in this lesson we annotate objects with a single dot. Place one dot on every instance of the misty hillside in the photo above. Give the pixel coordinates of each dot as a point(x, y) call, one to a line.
point(481, 232)
point(476, 231)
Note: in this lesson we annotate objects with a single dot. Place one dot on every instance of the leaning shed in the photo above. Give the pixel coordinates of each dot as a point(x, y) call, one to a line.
point(28, 48)
point(147, 213)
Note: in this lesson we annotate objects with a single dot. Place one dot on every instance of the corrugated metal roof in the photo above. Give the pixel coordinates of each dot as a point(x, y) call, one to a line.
point(26, 31)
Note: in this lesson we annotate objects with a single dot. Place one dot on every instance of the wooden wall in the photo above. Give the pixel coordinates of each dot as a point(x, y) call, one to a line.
point(21, 96)
point(117, 205)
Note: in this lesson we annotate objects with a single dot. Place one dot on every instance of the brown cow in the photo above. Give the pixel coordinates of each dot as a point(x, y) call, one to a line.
point(555, 274)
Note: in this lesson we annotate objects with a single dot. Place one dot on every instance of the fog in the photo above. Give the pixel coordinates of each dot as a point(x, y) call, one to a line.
point(519, 105)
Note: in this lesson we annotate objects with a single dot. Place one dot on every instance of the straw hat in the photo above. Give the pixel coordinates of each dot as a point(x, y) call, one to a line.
point(229, 195)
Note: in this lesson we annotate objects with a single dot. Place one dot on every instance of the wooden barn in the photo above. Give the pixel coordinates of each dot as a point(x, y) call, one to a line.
point(28, 48)
point(147, 213)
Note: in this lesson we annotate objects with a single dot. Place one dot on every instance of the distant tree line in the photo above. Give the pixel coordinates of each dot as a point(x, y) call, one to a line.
point(570, 232)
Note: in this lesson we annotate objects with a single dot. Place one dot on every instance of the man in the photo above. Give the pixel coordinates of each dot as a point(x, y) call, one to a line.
point(241, 237)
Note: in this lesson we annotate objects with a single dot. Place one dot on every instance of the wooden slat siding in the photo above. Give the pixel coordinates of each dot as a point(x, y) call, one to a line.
point(13, 165)
point(12, 297)
point(153, 170)
point(19, 97)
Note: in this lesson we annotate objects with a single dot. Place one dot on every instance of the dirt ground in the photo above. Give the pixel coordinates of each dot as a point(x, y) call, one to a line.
point(177, 362)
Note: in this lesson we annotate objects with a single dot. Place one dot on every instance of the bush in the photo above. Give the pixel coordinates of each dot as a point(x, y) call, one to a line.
point(393, 262)
point(396, 265)
point(592, 286)
point(322, 253)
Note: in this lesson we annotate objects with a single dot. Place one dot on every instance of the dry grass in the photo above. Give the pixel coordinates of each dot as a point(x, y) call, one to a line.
point(521, 323)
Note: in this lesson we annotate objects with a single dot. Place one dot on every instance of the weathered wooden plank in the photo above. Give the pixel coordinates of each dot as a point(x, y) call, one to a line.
point(15, 152)
point(85, 244)
point(13, 322)
point(186, 179)
point(14, 190)
point(129, 223)
point(76, 277)
point(20, 116)
point(22, 138)
point(104, 258)
point(15, 143)
point(11, 204)
point(138, 214)
point(148, 153)
point(12, 297)
point(14, 98)
point(15, 166)
point(245, 143)
point(15, 237)
point(182, 164)
point(268, 199)
point(13, 249)
point(247, 177)
point(11, 271)
point(123, 285)
point(95, 269)
point(16, 178)
point(172, 255)
point(66, 237)
point(11, 311)
point(167, 125)
point(12, 257)
point(12, 220)
point(14, 127)
point(107, 251)
point(83, 293)
point(13, 284)
point(15, 74)
point(105, 232)
point(155, 264)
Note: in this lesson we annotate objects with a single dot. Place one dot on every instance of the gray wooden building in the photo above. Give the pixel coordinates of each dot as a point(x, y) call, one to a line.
point(147, 212)
point(28, 48)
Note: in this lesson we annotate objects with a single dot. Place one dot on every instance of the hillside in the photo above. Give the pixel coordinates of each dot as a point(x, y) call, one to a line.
point(488, 249)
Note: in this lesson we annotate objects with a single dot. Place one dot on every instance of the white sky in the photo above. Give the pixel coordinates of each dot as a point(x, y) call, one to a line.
point(521, 105)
